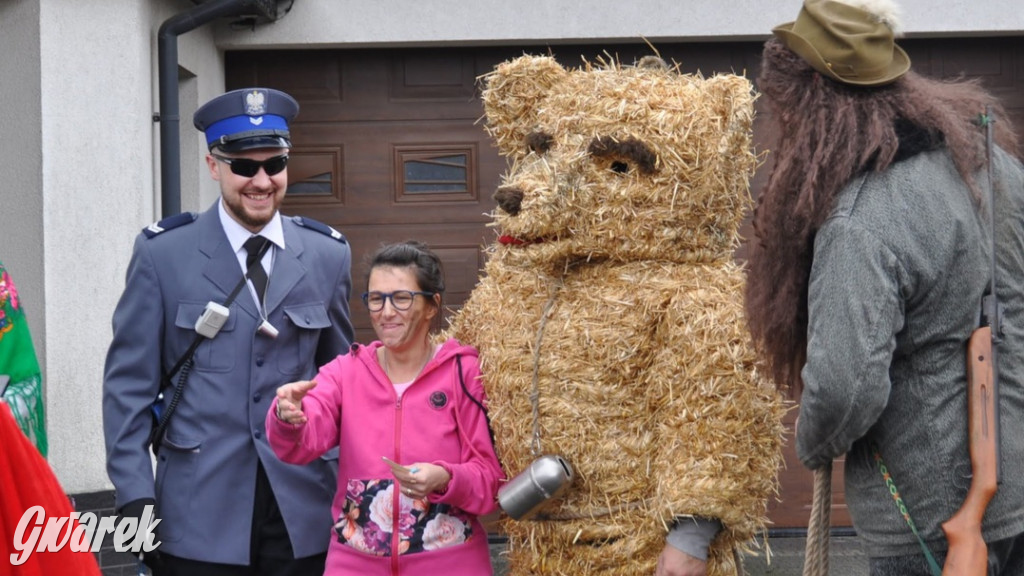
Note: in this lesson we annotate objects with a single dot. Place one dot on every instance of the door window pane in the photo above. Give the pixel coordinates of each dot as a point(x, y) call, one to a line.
point(435, 174)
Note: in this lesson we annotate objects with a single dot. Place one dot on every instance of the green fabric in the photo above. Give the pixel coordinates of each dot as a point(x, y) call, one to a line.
point(18, 360)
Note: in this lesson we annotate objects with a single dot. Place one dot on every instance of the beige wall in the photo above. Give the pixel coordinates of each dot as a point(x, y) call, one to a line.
point(398, 22)
point(21, 199)
point(79, 181)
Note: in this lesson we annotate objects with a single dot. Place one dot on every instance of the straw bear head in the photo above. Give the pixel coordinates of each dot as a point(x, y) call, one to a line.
point(614, 162)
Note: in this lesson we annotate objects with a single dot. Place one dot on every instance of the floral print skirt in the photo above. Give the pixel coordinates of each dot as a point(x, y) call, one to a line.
point(376, 512)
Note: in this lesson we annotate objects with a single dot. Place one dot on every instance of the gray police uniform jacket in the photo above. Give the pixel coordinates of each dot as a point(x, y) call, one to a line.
point(895, 292)
point(206, 469)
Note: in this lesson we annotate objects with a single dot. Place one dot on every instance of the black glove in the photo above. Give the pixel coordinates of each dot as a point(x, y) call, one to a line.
point(153, 560)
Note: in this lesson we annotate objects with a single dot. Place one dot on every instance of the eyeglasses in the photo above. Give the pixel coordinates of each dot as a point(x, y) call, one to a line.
point(248, 168)
point(400, 299)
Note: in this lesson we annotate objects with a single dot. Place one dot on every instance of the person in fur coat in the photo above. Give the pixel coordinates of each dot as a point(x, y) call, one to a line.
point(870, 260)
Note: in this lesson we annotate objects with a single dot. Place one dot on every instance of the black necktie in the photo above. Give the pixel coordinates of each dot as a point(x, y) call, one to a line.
point(257, 274)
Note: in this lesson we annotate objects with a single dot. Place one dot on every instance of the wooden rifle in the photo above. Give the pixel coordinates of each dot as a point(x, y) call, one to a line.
point(968, 553)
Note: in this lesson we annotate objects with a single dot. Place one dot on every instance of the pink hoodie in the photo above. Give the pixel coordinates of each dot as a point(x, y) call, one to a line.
point(354, 406)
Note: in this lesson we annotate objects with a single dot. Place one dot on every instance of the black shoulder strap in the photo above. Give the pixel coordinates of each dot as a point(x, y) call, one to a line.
point(166, 380)
point(185, 362)
point(462, 382)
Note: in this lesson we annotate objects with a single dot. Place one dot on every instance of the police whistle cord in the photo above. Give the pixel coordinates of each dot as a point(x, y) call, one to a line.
point(184, 364)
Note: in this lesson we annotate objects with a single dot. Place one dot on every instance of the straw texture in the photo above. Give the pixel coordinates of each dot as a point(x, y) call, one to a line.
point(611, 331)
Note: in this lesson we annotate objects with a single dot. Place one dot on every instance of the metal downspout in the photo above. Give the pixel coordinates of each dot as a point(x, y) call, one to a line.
point(167, 54)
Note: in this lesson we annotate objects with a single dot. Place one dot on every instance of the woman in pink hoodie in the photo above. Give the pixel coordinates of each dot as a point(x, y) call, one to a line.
point(402, 399)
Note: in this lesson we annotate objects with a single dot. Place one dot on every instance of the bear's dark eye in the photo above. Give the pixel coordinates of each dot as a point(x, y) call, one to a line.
point(621, 153)
point(539, 142)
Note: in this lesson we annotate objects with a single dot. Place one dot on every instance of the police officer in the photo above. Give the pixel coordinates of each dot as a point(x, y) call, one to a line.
point(226, 504)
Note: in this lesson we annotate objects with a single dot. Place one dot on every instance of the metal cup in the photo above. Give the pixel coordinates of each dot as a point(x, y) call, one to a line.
point(546, 478)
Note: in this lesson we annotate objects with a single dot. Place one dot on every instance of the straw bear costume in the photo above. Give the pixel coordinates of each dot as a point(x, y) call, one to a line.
point(609, 321)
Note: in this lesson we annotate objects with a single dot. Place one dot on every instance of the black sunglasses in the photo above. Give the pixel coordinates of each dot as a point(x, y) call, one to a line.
point(248, 168)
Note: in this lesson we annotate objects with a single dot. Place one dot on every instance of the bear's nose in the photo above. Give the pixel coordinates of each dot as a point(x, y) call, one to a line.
point(509, 199)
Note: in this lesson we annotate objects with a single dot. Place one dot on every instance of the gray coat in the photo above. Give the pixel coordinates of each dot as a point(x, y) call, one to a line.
point(895, 290)
point(206, 470)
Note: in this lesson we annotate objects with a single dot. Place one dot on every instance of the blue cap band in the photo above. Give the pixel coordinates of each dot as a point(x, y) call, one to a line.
point(244, 126)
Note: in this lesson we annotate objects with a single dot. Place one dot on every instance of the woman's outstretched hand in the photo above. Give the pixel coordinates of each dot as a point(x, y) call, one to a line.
point(289, 401)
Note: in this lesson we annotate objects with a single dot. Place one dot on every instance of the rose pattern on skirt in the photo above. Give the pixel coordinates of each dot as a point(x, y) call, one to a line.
point(370, 519)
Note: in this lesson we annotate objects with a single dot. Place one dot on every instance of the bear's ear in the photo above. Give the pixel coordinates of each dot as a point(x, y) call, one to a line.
point(731, 99)
point(512, 96)
point(653, 63)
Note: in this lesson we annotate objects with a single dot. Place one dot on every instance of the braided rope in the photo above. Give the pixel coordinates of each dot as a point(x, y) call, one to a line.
point(816, 551)
point(555, 290)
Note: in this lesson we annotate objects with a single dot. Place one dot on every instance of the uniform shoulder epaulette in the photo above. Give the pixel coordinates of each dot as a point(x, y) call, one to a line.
point(319, 227)
point(169, 223)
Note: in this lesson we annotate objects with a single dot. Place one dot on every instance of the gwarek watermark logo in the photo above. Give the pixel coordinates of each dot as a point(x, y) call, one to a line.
point(82, 533)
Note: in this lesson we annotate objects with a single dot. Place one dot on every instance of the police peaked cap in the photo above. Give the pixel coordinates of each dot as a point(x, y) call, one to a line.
point(246, 119)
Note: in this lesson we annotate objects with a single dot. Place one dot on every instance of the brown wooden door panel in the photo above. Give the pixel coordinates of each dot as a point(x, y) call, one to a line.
point(372, 169)
point(372, 203)
point(371, 85)
point(363, 111)
point(793, 506)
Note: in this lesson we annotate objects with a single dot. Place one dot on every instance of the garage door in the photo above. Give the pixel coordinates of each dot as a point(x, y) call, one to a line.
point(388, 147)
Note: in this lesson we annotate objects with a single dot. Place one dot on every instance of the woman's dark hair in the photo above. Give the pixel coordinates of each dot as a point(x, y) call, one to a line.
point(830, 133)
point(412, 254)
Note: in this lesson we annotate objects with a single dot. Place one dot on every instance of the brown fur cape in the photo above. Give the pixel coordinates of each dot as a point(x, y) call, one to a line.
point(829, 133)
